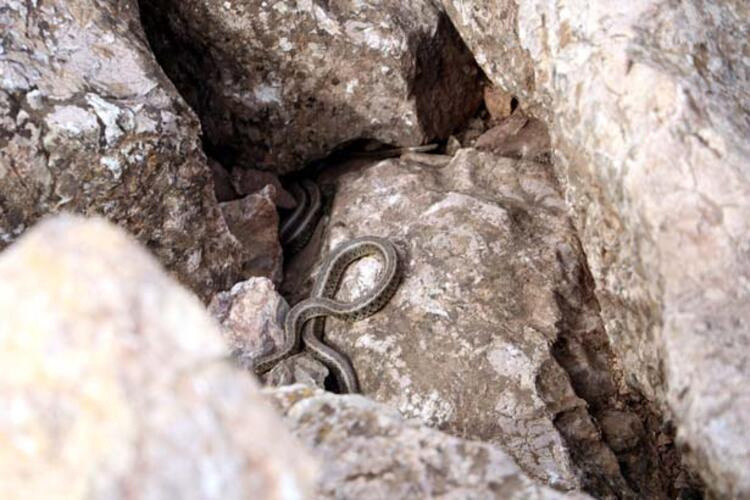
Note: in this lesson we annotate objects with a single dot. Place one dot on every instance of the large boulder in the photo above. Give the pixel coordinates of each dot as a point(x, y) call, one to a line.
point(278, 84)
point(117, 384)
point(370, 451)
point(494, 333)
point(90, 124)
point(647, 103)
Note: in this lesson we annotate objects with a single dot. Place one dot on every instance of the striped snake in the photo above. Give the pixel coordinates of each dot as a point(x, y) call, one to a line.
point(322, 303)
point(306, 320)
point(299, 226)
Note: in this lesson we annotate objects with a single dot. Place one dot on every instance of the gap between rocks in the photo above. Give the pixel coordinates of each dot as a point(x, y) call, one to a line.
point(617, 420)
point(621, 443)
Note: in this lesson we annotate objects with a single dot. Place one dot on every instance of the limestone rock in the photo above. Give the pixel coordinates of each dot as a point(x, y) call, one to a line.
point(254, 221)
point(491, 283)
point(647, 104)
point(278, 84)
point(117, 384)
point(371, 452)
point(90, 124)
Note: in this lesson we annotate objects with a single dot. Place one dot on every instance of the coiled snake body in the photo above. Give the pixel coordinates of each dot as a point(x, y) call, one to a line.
point(310, 313)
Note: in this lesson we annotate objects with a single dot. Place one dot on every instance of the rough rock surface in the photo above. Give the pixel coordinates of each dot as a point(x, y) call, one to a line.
point(249, 181)
point(116, 382)
point(493, 296)
point(254, 221)
point(277, 84)
point(517, 136)
point(648, 104)
point(89, 123)
point(371, 452)
point(252, 315)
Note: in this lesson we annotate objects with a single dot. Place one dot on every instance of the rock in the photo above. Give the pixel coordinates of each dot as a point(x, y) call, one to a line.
point(90, 124)
point(222, 183)
point(490, 289)
point(252, 318)
point(452, 146)
point(499, 103)
point(474, 129)
point(300, 368)
point(250, 181)
point(647, 106)
point(278, 84)
point(623, 431)
point(120, 388)
point(370, 451)
point(251, 315)
point(255, 222)
point(517, 136)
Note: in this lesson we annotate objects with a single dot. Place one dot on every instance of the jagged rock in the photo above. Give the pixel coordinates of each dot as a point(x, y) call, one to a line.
point(647, 106)
point(116, 382)
point(254, 221)
point(249, 181)
point(517, 136)
point(251, 315)
point(89, 123)
point(489, 287)
point(370, 451)
point(278, 84)
point(499, 103)
point(252, 318)
point(223, 187)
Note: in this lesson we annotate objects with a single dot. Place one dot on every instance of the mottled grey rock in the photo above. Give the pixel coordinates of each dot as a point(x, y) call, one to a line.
point(254, 221)
point(278, 84)
point(647, 104)
point(117, 383)
point(490, 285)
point(371, 452)
point(90, 124)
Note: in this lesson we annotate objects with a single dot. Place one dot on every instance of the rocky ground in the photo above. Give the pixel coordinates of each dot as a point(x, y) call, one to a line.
point(571, 318)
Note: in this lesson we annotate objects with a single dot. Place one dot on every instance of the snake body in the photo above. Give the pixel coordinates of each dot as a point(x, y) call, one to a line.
point(322, 303)
point(299, 226)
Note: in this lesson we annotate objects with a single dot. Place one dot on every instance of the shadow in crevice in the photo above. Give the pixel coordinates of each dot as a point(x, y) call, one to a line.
point(444, 64)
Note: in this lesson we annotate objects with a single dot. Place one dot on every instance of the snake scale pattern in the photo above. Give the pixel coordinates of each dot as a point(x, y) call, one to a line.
point(306, 320)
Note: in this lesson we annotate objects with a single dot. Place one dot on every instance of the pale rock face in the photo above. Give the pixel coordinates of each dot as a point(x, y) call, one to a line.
point(278, 84)
point(117, 383)
point(371, 452)
point(90, 124)
point(490, 268)
point(647, 105)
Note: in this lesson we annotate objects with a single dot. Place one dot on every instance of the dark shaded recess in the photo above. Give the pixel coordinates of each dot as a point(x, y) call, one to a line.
point(231, 133)
point(625, 424)
point(188, 63)
point(444, 64)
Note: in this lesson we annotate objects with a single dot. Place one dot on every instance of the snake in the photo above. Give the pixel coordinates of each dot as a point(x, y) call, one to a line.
point(322, 303)
point(298, 227)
